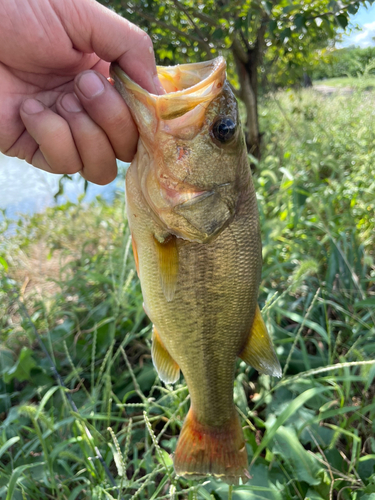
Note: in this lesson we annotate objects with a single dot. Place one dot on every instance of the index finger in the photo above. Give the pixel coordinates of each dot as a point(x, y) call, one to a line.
point(94, 28)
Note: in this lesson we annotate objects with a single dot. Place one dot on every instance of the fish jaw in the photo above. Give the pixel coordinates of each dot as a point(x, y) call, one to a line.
point(198, 84)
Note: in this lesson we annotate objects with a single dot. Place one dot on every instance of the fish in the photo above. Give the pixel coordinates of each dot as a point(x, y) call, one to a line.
point(194, 222)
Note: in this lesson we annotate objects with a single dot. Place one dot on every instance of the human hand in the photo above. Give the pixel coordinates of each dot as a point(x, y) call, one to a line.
point(52, 51)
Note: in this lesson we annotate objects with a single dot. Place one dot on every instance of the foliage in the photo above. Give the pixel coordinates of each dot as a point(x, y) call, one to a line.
point(187, 31)
point(347, 84)
point(309, 435)
point(350, 61)
point(277, 37)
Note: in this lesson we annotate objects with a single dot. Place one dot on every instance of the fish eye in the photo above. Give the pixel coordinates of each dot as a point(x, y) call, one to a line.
point(223, 129)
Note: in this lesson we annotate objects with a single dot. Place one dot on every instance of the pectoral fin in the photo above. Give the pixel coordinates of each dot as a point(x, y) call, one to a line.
point(258, 351)
point(168, 370)
point(168, 265)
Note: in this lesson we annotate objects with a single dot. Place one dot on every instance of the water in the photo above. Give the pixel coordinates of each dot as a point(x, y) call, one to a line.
point(27, 190)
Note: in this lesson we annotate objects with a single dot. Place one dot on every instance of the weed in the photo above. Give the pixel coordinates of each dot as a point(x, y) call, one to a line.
point(309, 435)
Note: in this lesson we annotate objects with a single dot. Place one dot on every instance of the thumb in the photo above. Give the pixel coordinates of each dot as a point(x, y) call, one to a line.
point(94, 28)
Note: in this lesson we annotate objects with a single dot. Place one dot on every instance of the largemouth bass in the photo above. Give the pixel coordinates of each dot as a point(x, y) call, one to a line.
point(193, 217)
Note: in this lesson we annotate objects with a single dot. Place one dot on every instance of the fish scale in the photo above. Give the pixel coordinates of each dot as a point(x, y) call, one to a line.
point(193, 216)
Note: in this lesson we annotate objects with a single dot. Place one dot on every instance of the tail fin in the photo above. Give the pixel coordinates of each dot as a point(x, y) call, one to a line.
point(204, 450)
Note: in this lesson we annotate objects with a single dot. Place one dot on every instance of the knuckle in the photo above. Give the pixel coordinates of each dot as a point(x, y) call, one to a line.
point(23, 148)
point(102, 181)
point(101, 174)
point(70, 169)
point(128, 155)
point(147, 40)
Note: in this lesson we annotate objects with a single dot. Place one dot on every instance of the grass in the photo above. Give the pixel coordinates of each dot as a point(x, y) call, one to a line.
point(68, 274)
point(364, 71)
point(353, 82)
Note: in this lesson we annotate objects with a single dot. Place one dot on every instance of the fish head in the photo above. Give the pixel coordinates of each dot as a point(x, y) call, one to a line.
point(191, 151)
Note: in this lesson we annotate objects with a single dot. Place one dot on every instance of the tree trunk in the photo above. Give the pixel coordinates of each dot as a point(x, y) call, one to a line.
point(306, 80)
point(247, 61)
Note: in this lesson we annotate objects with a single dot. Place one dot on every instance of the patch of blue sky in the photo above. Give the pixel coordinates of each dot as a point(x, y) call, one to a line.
point(365, 20)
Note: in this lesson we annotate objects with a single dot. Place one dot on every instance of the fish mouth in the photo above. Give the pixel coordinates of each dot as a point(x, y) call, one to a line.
point(187, 86)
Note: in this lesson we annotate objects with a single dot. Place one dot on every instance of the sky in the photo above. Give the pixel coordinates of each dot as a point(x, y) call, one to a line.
point(365, 19)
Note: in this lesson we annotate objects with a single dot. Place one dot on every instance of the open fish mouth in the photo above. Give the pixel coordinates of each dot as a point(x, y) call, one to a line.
point(186, 87)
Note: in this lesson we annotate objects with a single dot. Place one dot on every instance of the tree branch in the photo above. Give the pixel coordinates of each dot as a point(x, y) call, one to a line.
point(205, 39)
point(203, 17)
point(162, 24)
point(236, 92)
point(239, 51)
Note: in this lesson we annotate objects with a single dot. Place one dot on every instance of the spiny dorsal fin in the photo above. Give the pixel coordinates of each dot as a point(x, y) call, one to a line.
point(258, 351)
point(168, 370)
point(168, 265)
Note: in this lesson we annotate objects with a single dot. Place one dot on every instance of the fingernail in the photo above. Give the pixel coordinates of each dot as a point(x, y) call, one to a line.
point(32, 106)
point(90, 85)
point(158, 86)
point(71, 103)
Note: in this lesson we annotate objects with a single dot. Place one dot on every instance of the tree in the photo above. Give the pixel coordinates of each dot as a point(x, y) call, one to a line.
point(251, 34)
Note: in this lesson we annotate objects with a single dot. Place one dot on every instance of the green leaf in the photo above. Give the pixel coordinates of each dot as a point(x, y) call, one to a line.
point(285, 34)
point(342, 21)
point(366, 467)
point(272, 25)
point(218, 34)
point(313, 495)
point(6, 360)
point(165, 459)
point(8, 444)
point(262, 487)
point(361, 304)
point(205, 494)
point(370, 375)
point(299, 21)
point(307, 322)
point(45, 399)
point(288, 412)
point(353, 8)
point(77, 490)
point(16, 474)
point(21, 369)
point(4, 263)
point(304, 467)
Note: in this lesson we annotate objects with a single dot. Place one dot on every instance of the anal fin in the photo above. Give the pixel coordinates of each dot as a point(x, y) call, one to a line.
point(258, 351)
point(168, 265)
point(168, 370)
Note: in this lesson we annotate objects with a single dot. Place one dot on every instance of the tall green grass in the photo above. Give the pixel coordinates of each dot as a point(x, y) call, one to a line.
point(309, 435)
